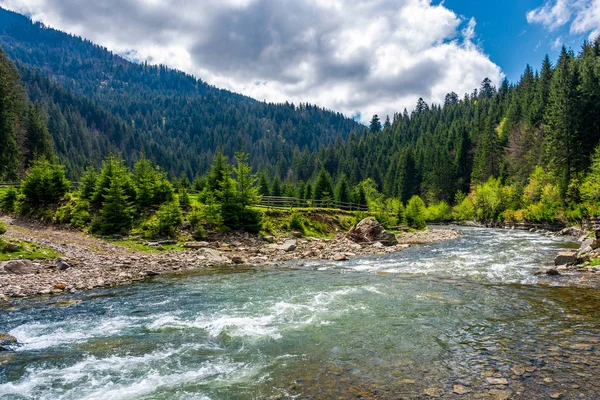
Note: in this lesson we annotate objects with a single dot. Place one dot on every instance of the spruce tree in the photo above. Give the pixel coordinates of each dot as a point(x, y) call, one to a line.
point(323, 186)
point(116, 212)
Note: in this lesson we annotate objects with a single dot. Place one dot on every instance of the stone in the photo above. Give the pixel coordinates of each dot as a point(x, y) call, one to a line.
point(297, 234)
point(196, 245)
point(460, 389)
point(595, 244)
point(566, 257)
point(497, 394)
point(6, 341)
point(377, 245)
point(518, 370)
point(434, 392)
point(369, 230)
point(557, 395)
point(552, 272)
point(167, 242)
point(497, 381)
point(340, 257)
point(62, 265)
point(19, 267)
point(215, 256)
point(237, 260)
point(288, 245)
point(60, 286)
point(12, 247)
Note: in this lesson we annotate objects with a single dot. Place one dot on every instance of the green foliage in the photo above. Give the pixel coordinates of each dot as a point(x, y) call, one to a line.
point(29, 251)
point(323, 189)
point(487, 199)
point(75, 213)
point(590, 189)
point(184, 200)
point(464, 210)
point(44, 184)
point(2, 228)
point(438, 212)
point(415, 213)
point(296, 222)
point(113, 172)
point(245, 181)
point(164, 223)
point(87, 183)
point(152, 187)
point(116, 214)
point(8, 201)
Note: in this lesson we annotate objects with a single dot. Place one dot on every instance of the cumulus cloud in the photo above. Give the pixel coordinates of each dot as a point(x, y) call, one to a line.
point(356, 56)
point(583, 16)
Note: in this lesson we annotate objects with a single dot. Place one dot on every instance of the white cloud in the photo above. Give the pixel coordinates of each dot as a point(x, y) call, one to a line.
point(582, 15)
point(355, 56)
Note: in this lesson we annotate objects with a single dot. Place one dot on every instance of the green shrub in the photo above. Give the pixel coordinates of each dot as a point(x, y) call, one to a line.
point(296, 222)
point(439, 212)
point(2, 228)
point(45, 184)
point(8, 202)
point(464, 210)
point(169, 218)
point(116, 215)
point(415, 213)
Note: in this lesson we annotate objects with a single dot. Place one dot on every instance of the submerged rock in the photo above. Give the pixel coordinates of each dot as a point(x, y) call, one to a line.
point(369, 230)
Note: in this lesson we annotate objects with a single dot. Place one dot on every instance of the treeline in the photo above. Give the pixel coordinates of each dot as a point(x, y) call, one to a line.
point(97, 103)
point(522, 151)
point(116, 200)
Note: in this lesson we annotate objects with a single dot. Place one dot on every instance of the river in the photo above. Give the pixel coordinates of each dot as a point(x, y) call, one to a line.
point(408, 325)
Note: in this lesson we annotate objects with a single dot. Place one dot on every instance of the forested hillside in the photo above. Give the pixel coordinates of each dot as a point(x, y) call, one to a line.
point(96, 102)
point(536, 137)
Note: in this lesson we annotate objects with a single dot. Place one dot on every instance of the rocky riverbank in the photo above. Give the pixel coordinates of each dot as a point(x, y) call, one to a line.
point(88, 262)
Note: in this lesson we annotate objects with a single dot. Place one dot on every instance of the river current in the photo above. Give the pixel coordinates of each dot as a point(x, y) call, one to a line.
point(467, 316)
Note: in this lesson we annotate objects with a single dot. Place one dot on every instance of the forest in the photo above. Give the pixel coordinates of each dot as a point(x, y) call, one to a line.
point(524, 151)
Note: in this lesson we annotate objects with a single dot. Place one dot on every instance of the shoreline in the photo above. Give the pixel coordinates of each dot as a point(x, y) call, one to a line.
point(89, 263)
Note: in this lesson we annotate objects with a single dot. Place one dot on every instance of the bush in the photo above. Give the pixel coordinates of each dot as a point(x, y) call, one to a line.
point(116, 214)
point(415, 213)
point(464, 210)
point(169, 218)
point(45, 184)
point(439, 212)
point(8, 202)
point(2, 228)
point(296, 222)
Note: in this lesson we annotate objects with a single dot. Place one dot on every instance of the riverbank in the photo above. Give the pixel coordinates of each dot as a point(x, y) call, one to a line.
point(87, 262)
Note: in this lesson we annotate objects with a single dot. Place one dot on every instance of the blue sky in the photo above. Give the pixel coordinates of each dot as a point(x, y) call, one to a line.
point(509, 39)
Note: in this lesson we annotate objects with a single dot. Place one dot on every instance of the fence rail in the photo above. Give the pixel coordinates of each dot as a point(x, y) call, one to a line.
point(278, 201)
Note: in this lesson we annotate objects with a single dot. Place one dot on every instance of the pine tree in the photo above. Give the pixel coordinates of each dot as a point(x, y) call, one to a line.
point(245, 181)
point(342, 190)
point(323, 186)
point(562, 140)
point(375, 125)
point(116, 213)
point(37, 139)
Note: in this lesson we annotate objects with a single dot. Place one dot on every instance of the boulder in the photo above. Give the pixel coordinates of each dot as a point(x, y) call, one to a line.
point(20, 267)
point(340, 257)
point(215, 256)
point(6, 341)
point(269, 239)
point(595, 245)
point(237, 260)
point(289, 245)
point(369, 230)
point(63, 265)
point(566, 257)
point(12, 247)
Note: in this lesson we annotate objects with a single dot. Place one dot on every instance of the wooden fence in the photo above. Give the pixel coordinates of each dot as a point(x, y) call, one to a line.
point(293, 202)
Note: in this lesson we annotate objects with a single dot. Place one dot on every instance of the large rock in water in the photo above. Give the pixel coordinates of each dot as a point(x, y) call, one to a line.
point(566, 257)
point(369, 230)
point(6, 341)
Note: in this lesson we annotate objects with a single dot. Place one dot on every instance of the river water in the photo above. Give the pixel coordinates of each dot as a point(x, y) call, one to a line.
point(406, 325)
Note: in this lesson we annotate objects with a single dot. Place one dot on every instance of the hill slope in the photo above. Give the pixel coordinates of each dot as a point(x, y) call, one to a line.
point(173, 117)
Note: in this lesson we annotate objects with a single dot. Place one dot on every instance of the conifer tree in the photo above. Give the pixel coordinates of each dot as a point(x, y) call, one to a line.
point(116, 213)
point(323, 186)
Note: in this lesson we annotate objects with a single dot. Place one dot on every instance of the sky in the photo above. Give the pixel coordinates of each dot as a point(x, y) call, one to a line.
point(359, 57)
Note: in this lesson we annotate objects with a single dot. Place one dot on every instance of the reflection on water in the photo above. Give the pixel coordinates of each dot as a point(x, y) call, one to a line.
point(465, 315)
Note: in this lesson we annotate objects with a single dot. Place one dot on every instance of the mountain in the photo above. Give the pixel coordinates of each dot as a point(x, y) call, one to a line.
point(97, 102)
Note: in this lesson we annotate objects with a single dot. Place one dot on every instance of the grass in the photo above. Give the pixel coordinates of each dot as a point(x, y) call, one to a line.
point(30, 251)
point(135, 245)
